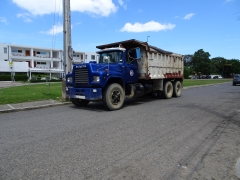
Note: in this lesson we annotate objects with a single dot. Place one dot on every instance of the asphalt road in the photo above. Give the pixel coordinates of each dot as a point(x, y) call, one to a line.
point(195, 136)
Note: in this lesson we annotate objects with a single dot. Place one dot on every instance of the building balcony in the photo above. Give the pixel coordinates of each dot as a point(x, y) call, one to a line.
point(42, 58)
point(46, 70)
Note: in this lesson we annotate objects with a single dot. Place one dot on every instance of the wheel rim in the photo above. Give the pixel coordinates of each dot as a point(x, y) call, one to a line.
point(116, 95)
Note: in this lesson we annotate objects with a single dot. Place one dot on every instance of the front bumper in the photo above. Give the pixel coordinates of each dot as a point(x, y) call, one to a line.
point(91, 94)
point(236, 81)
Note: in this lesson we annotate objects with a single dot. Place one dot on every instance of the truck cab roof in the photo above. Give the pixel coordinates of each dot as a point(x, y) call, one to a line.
point(112, 49)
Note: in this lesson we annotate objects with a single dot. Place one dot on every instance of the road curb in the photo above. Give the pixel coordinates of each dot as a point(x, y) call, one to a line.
point(32, 107)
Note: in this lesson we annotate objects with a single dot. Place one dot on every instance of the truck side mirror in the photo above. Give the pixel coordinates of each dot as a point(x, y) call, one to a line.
point(138, 53)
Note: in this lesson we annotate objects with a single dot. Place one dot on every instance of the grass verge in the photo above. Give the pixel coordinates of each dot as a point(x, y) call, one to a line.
point(38, 92)
point(199, 82)
point(33, 92)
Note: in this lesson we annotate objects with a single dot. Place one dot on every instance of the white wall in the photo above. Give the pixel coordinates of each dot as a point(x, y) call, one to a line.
point(3, 56)
point(17, 67)
point(88, 54)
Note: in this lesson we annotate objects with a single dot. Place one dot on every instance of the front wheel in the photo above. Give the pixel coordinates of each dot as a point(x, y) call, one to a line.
point(79, 102)
point(114, 96)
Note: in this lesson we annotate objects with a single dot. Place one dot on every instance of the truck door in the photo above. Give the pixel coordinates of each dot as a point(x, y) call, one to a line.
point(131, 68)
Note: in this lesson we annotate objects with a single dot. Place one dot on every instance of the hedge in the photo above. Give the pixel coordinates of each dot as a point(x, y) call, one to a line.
point(52, 80)
point(5, 77)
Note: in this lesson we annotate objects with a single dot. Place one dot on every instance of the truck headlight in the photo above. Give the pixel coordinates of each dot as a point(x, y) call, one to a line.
point(96, 79)
point(69, 79)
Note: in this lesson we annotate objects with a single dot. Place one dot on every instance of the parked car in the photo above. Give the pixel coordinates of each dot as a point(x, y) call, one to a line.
point(215, 77)
point(236, 79)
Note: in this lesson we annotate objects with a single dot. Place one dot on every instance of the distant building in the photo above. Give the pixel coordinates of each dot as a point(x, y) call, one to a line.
point(18, 58)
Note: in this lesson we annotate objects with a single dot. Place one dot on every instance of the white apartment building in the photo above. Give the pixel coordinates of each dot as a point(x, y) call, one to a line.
point(18, 58)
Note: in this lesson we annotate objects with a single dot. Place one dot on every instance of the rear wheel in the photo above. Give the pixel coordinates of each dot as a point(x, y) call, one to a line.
point(234, 84)
point(167, 90)
point(177, 89)
point(79, 102)
point(114, 96)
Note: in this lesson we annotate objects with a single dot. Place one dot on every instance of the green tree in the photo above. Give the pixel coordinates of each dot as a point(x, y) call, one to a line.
point(235, 66)
point(217, 65)
point(201, 62)
point(187, 72)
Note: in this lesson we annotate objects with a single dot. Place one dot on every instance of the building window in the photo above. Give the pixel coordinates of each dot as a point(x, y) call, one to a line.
point(93, 57)
point(44, 63)
point(81, 57)
point(5, 60)
point(85, 56)
point(5, 50)
point(15, 50)
point(42, 53)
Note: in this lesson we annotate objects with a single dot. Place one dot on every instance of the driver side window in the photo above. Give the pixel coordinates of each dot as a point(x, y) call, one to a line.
point(131, 56)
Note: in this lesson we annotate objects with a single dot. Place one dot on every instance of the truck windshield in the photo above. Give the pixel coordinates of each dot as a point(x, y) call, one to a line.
point(111, 57)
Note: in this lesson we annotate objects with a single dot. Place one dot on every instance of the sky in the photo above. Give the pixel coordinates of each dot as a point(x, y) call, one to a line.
point(179, 26)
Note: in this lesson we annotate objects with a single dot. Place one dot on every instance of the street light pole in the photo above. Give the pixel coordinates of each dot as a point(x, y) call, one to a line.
point(147, 38)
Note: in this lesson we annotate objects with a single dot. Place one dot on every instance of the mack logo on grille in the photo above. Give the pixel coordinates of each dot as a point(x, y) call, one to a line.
point(81, 66)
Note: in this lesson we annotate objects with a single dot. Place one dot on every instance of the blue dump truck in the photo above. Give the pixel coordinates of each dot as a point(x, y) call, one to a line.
point(126, 69)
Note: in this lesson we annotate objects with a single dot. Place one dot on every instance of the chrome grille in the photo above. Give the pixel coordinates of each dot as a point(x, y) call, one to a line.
point(81, 76)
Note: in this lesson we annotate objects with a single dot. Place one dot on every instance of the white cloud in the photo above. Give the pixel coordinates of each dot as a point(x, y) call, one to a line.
point(189, 16)
point(122, 4)
point(149, 26)
point(25, 17)
point(42, 7)
point(56, 29)
point(3, 20)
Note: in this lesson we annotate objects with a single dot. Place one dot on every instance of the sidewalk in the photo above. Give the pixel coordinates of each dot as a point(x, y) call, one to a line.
point(29, 105)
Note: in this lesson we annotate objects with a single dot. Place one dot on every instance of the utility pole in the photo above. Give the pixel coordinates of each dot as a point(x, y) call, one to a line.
point(67, 44)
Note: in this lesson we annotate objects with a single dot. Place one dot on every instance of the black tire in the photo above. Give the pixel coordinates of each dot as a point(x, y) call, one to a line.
point(177, 89)
point(234, 84)
point(167, 90)
point(114, 96)
point(79, 102)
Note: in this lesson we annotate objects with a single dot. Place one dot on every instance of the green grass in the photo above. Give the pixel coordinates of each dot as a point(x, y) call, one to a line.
point(198, 82)
point(28, 93)
point(37, 92)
